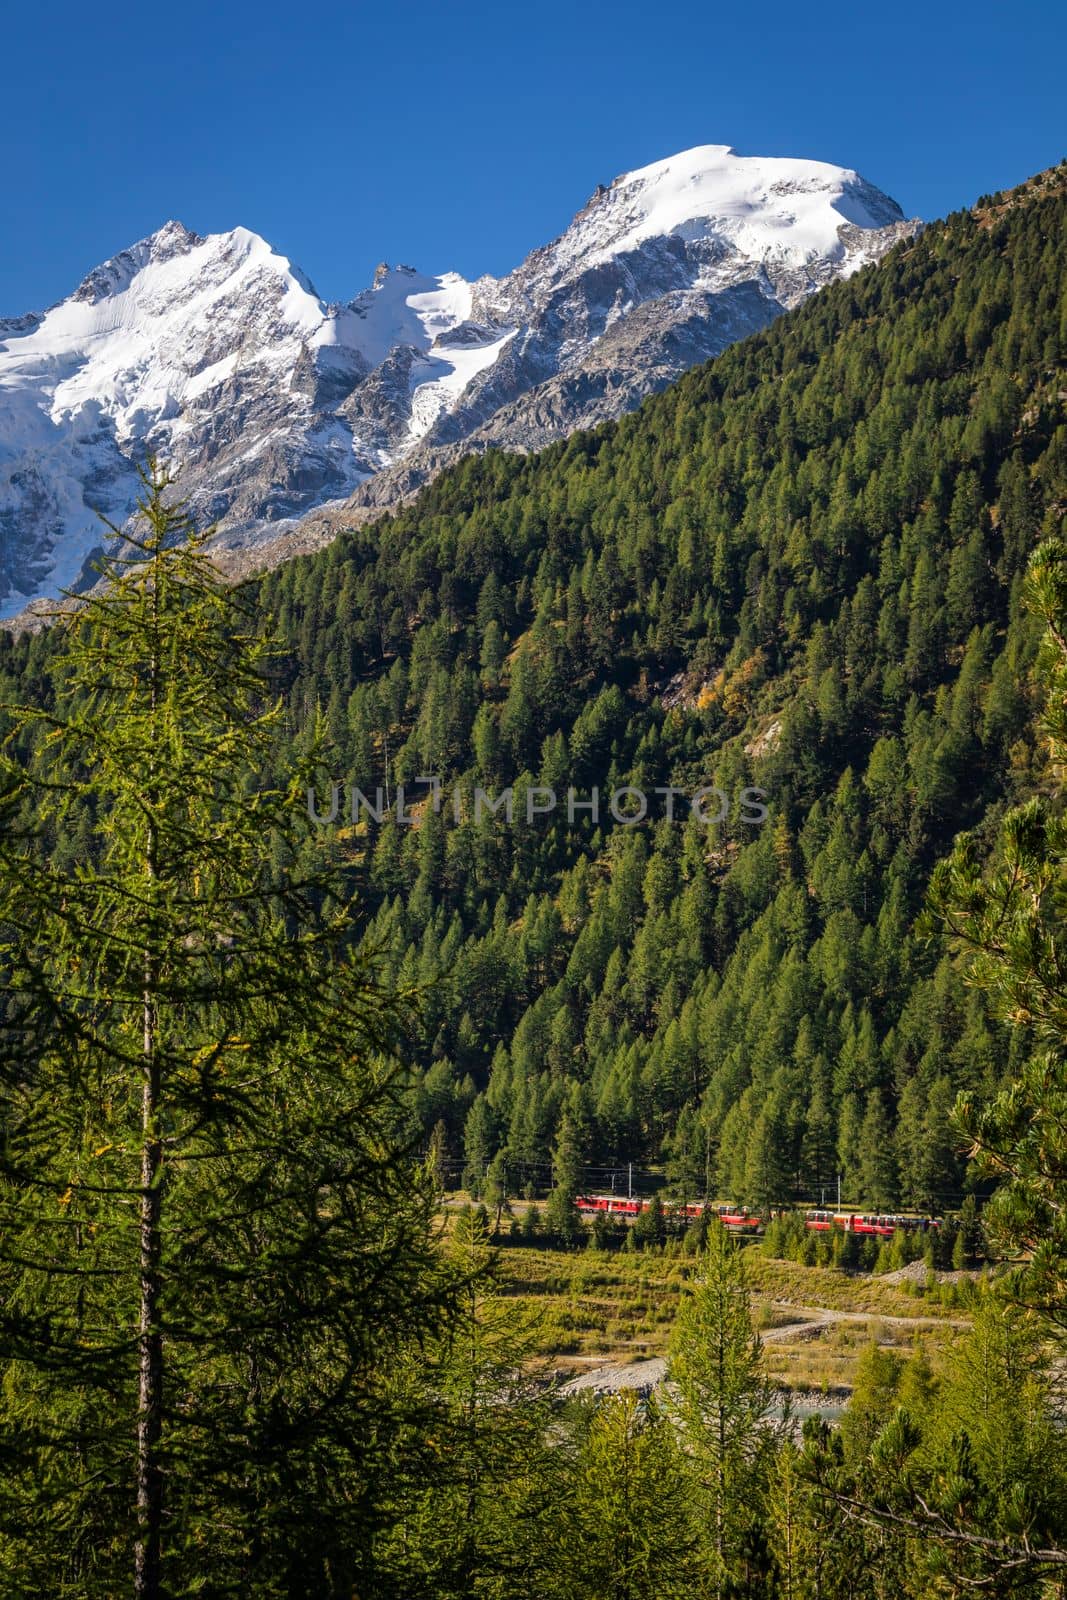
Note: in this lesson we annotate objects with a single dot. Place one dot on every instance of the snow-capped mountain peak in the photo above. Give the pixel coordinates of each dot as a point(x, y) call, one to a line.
point(174, 238)
point(727, 208)
point(217, 352)
point(758, 204)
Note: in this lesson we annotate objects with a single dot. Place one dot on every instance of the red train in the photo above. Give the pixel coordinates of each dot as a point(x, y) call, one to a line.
point(882, 1225)
point(738, 1219)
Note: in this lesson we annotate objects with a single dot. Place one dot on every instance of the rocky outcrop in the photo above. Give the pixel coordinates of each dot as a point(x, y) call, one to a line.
point(218, 354)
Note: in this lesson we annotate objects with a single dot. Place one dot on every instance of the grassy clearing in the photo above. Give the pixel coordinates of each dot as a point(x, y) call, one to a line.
point(826, 1360)
point(619, 1306)
point(592, 1302)
point(794, 1284)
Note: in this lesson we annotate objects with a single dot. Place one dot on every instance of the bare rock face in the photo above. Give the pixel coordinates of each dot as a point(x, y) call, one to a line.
point(218, 354)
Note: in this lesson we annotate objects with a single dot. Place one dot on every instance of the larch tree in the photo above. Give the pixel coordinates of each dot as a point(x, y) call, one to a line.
point(626, 1528)
point(1007, 922)
point(480, 1519)
point(214, 1239)
point(725, 1404)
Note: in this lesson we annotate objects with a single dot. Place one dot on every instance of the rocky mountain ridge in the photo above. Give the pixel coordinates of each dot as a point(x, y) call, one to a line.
point(219, 354)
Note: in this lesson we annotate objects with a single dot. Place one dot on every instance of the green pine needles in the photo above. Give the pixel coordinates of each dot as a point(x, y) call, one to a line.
point(1008, 920)
point(215, 1246)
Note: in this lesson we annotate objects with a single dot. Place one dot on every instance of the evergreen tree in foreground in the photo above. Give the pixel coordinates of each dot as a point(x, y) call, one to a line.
point(215, 1248)
point(725, 1406)
point(627, 1525)
point(971, 1490)
point(481, 1522)
point(1009, 924)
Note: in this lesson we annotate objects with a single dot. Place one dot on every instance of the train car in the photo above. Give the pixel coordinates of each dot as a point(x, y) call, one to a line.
point(823, 1221)
point(877, 1225)
point(739, 1220)
point(592, 1205)
point(736, 1219)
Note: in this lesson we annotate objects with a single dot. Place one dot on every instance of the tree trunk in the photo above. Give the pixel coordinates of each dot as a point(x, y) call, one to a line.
point(147, 1552)
point(146, 1583)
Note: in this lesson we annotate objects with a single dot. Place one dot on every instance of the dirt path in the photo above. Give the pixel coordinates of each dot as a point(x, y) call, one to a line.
point(812, 1320)
point(607, 1376)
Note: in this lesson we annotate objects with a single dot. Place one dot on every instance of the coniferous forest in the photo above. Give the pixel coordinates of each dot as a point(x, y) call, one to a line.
point(246, 1047)
point(799, 570)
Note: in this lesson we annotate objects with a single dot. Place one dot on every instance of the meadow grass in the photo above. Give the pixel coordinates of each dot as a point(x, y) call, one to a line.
point(619, 1306)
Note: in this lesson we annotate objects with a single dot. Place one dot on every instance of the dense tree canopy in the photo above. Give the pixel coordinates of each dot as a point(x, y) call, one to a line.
point(215, 1242)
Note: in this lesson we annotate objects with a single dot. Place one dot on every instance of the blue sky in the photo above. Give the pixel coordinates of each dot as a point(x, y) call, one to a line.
point(456, 135)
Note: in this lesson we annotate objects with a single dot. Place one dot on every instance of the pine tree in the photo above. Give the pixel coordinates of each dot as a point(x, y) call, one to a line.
point(767, 1181)
point(478, 1144)
point(567, 1169)
point(485, 1479)
point(725, 1403)
point(815, 1555)
point(877, 1166)
point(495, 1192)
point(214, 1241)
point(650, 1225)
point(1008, 925)
point(626, 1530)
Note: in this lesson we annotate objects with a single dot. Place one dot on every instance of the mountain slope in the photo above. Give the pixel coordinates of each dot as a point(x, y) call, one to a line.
point(218, 353)
point(799, 568)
